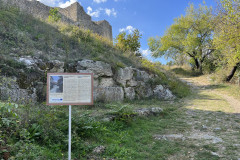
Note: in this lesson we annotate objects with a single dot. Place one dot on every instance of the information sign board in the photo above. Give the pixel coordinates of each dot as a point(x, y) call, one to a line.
point(69, 89)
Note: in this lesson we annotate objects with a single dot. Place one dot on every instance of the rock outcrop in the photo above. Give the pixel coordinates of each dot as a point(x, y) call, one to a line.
point(109, 85)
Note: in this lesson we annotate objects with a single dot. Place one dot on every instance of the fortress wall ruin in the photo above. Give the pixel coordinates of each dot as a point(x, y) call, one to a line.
point(74, 15)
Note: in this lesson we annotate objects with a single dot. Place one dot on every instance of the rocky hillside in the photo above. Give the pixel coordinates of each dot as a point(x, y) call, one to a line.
point(31, 47)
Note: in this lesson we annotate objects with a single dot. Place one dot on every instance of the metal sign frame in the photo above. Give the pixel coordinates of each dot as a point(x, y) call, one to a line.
point(65, 74)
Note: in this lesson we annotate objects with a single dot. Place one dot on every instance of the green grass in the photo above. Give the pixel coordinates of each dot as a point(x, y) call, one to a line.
point(41, 131)
point(185, 72)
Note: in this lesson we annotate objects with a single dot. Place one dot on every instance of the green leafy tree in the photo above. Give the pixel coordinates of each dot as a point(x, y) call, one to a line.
point(227, 34)
point(54, 15)
point(190, 35)
point(129, 42)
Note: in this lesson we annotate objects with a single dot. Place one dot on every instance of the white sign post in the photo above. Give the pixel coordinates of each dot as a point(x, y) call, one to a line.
point(69, 89)
point(69, 132)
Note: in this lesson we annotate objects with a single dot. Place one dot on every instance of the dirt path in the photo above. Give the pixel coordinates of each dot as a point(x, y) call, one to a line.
point(213, 117)
point(204, 84)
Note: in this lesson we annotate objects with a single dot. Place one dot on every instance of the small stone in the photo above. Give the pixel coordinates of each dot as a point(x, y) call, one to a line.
point(108, 119)
point(99, 149)
point(217, 129)
point(214, 154)
point(156, 110)
point(204, 127)
point(149, 111)
point(169, 137)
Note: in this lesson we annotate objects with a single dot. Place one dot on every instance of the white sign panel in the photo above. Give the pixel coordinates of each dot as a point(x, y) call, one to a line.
point(69, 88)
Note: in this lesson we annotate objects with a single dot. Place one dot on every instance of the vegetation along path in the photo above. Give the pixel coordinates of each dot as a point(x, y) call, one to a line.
point(212, 113)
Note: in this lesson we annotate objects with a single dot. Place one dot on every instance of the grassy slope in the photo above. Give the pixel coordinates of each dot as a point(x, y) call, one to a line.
point(21, 34)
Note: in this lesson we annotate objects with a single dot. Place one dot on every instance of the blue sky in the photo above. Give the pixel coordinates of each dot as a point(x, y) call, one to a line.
point(151, 17)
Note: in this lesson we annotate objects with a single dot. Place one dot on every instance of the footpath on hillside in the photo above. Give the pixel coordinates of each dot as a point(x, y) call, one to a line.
point(213, 116)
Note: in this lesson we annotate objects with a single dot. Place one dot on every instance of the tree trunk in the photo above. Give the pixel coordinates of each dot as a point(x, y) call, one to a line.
point(230, 76)
point(196, 63)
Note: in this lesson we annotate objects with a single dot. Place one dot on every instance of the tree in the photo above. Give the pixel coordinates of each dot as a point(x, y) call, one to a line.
point(130, 42)
point(190, 35)
point(54, 15)
point(227, 34)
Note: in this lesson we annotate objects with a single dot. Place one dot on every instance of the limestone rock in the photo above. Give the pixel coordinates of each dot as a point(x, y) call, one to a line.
point(99, 149)
point(132, 83)
point(95, 83)
point(163, 93)
point(129, 93)
point(143, 90)
point(28, 61)
point(142, 75)
point(169, 137)
point(124, 74)
point(56, 66)
point(149, 111)
point(108, 94)
point(106, 82)
point(98, 68)
point(10, 89)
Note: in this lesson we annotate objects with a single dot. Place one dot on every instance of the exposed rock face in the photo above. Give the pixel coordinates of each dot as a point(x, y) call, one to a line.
point(163, 93)
point(108, 94)
point(129, 93)
point(98, 68)
point(124, 75)
point(106, 82)
point(9, 89)
point(128, 82)
point(144, 90)
point(142, 76)
point(56, 66)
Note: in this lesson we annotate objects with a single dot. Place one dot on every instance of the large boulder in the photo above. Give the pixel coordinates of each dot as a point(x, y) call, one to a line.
point(123, 75)
point(106, 82)
point(132, 83)
point(141, 75)
point(28, 61)
point(144, 90)
point(129, 93)
point(163, 93)
point(108, 94)
point(98, 68)
point(9, 89)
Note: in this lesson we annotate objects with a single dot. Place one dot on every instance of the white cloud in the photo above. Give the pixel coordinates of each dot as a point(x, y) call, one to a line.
point(110, 12)
point(99, 1)
point(145, 52)
point(67, 3)
point(92, 13)
point(58, 3)
point(97, 12)
point(128, 29)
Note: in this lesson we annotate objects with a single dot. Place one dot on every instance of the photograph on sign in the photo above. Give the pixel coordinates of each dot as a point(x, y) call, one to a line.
point(69, 88)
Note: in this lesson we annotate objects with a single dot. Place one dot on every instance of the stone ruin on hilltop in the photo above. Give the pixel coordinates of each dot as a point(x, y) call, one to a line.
point(74, 15)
